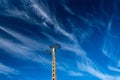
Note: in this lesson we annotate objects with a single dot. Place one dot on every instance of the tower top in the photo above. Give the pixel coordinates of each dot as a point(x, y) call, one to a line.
point(56, 45)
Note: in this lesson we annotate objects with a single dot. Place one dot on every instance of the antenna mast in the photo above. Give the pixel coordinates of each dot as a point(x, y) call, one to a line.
point(53, 48)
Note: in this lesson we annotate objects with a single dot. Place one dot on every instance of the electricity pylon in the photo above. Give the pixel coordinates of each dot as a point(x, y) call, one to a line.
point(53, 51)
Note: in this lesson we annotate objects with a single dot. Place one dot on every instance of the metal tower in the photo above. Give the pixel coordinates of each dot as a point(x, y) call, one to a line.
point(53, 50)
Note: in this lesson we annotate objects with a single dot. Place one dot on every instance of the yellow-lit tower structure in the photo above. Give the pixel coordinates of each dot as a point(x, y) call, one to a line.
point(53, 51)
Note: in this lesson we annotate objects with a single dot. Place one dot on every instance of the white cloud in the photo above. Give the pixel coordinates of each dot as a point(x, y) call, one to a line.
point(28, 42)
point(118, 64)
point(109, 25)
point(68, 9)
point(25, 51)
point(11, 10)
point(94, 70)
point(41, 9)
point(58, 28)
point(113, 68)
point(90, 22)
point(21, 52)
point(106, 52)
point(73, 73)
point(66, 68)
point(7, 70)
point(99, 74)
point(110, 41)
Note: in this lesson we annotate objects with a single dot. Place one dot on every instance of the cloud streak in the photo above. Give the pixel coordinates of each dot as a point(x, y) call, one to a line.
point(22, 52)
point(95, 71)
point(7, 70)
point(25, 40)
point(114, 69)
point(25, 51)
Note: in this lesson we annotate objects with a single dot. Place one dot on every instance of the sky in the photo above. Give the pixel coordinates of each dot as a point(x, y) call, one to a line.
point(87, 30)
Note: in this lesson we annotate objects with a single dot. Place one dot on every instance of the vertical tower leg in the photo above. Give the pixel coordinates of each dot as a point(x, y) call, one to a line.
point(53, 47)
point(53, 64)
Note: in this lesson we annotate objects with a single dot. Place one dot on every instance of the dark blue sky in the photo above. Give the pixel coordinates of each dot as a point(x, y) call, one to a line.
point(87, 30)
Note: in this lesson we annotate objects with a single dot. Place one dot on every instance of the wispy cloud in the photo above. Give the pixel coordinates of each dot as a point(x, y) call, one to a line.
point(88, 18)
point(41, 10)
point(68, 9)
point(95, 71)
point(25, 40)
point(110, 41)
point(118, 63)
point(24, 51)
point(27, 10)
point(74, 73)
point(101, 75)
point(13, 10)
point(108, 53)
point(63, 66)
point(114, 68)
point(7, 70)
